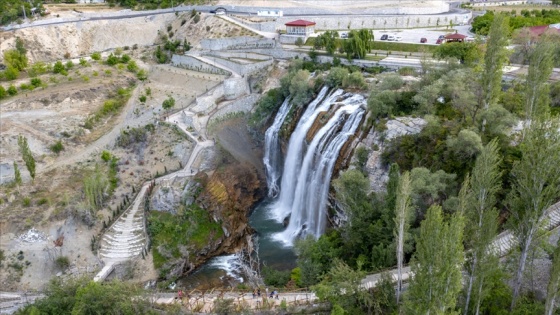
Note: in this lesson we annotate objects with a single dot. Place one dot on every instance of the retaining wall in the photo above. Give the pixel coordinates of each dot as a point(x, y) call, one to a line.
point(241, 68)
point(191, 63)
point(244, 104)
point(242, 42)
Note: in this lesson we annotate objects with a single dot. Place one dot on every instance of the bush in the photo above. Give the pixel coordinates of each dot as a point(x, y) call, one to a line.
point(3, 92)
point(275, 277)
point(142, 75)
point(11, 73)
point(197, 18)
point(69, 65)
point(83, 62)
point(36, 82)
point(12, 90)
point(106, 156)
point(26, 202)
point(125, 58)
point(131, 66)
point(57, 147)
point(62, 262)
point(142, 98)
point(112, 60)
point(96, 56)
point(58, 67)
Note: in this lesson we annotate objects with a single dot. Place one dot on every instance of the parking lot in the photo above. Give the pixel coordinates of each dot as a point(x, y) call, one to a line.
point(413, 36)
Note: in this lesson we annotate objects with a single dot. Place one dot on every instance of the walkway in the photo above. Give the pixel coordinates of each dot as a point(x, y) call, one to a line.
point(270, 35)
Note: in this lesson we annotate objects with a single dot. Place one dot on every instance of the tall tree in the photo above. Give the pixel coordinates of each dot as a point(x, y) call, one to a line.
point(535, 179)
point(554, 282)
point(17, 175)
point(393, 185)
point(537, 96)
point(436, 265)
point(494, 60)
point(402, 212)
point(482, 224)
point(27, 156)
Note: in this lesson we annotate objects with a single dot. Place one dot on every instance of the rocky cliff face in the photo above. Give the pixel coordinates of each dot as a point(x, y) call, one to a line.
point(228, 195)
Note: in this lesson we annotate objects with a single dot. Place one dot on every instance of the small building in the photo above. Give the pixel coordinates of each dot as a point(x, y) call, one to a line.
point(300, 27)
point(541, 29)
point(455, 38)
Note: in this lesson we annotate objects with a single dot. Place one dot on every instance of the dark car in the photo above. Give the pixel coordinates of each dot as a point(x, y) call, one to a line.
point(439, 41)
point(423, 40)
point(441, 37)
point(384, 37)
point(213, 11)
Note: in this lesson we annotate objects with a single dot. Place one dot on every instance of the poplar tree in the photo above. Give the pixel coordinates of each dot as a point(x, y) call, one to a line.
point(17, 175)
point(541, 61)
point(553, 282)
point(392, 185)
point(494, 60)
point(535, 179)
point(402, 211)
point(482, 224)
point(436, 265)
point(27, 156)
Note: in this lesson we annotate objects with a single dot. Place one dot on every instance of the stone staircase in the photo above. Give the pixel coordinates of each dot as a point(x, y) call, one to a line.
point(125, 239)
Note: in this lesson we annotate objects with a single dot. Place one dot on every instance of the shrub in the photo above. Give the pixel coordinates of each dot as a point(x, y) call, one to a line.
point(3, 92)
point(96, 56)
point(12, 90)
point(142, 98)
point(58, 67)
point(112, 60)
point(106, 156)
point(275, 277)
point(62, 262)
point(197, 18)
point(125, 58)
point(57, 147)
point(67, 55)
point(131, 66)
point(95, 73)
point(26, 202)
point(11, 73)
point(142, 75)
point(83, 62)
point(36, 82)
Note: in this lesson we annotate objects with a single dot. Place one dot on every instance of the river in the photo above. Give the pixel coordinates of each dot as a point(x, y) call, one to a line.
point(224, 271)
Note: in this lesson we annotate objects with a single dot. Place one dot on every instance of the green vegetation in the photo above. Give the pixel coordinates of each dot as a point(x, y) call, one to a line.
point(192, 228)
point(95, 188)
point(62, 262)
point(83, 296)
point(267, 105)
point(168, 103)
point(525, 18)
point(96, 56)
point(132, 136)
point(27, 156)
point(110, 107)
point(57, 147)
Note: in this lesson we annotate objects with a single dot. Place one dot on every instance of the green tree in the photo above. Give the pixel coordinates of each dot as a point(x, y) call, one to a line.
point(16, 59)
point(466, 145)
point(336, 76)
point(11, 73)
point(537, 97)
point(27, 156)
point(299, 42)
point(482, 224)
point(300, 88)
point(58, 67)
point(436, 265)
point(535, 179)
point(494, 60)
point(314, 257)
point(168, 103)
point(3, 92)
point(342, 287)
point(553, 288)
point(358, 44)
point(402, 218)
point(17, 175)
point(12, 90)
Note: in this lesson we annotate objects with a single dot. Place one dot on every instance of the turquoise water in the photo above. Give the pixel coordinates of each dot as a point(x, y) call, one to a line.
point(224, 271)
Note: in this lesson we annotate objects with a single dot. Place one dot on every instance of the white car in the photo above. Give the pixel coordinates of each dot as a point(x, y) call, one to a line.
point(398, 38)
point(391, 37)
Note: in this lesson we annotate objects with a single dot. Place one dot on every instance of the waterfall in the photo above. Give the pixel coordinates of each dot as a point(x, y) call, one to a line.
point(308, 167)
point(272, 155)
point(294, 155)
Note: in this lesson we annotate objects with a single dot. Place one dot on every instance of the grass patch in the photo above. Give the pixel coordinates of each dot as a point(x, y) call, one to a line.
point(192, 229)
point(111, 106)
point(392, 46)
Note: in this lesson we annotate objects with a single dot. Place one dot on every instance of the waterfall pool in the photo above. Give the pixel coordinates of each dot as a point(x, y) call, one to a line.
point(224, 271)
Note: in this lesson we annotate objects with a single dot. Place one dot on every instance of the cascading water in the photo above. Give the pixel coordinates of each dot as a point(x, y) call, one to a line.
point(272, 155)
point(308, 167)
point(294, 156)
point(309, 208)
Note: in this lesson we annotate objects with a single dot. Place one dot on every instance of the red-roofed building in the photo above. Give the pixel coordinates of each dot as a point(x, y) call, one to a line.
point(300, 27)
point(539, 30)
point(455, 37)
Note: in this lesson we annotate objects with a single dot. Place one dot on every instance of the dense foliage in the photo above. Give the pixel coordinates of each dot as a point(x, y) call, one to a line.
point(525, 18)
point(12, 10)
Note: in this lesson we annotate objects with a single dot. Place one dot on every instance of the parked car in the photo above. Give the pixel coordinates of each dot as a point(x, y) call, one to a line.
point(343, 35)
point(212, 11)
point(391, 37)
point(398, 38)
point(423, 40)
point(439, 41)
point(441, 37)
point(384, 37)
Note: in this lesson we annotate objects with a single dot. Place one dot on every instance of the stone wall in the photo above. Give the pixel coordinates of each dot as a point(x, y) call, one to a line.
point(191, 63)
point(244, 104)
point(238, 54)
point(235, 87)
point(290, 39)
point(242, 68)
point(242, 42)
